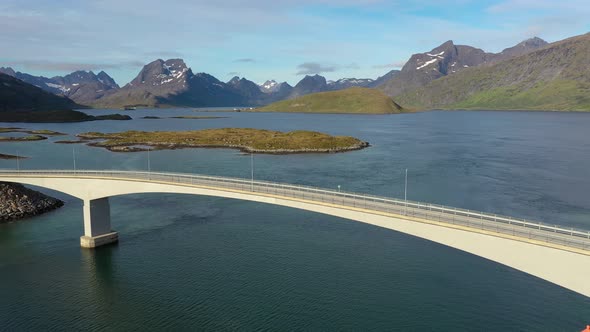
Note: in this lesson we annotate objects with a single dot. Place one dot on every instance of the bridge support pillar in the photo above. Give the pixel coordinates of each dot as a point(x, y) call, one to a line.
point(97, 224)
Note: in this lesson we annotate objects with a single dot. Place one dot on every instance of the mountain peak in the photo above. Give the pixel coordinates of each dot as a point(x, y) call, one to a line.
point(446, 45)
point(234, 80)
point(309, 84)
point(106, 79)
point(313, 78)
point(175, 64)
point(535, 41)
point(160, 72)
point(345, 83)
point(270, 86)
point(8, 71)
point(523, 47)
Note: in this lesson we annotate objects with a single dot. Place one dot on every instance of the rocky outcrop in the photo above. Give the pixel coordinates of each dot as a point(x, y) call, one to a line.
point(18, 202)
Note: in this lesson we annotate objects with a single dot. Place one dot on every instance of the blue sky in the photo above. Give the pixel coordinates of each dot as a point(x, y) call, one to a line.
point(260, 40)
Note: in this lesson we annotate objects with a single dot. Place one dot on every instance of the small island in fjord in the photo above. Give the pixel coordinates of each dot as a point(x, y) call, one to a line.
point(35, 135)
point(244, 139)
point(354, 100)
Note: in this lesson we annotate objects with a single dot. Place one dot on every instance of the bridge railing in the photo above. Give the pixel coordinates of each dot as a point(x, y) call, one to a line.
point(473, 219)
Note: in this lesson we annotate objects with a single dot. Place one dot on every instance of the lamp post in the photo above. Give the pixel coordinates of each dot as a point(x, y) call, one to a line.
point(406, 194)
point(251, 171)
point(74, 158)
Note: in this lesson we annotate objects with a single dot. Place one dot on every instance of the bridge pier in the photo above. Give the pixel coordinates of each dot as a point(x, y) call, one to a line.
point(97, 224)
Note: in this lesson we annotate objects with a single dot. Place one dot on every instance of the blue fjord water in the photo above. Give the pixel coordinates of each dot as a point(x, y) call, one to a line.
point(203, 263)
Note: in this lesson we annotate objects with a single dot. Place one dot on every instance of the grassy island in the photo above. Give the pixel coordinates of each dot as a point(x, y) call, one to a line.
point(245, 139)
point(352, 100)
point(23, 138)
point(35, 135)
point(32, 132)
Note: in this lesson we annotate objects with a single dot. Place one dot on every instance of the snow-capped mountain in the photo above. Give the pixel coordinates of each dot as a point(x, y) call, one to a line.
point(345, 83)
point(448, 59)
point(169, 74)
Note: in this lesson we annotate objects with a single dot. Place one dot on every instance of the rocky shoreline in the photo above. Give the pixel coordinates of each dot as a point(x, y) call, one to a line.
point(10, 156)
point(18, 202)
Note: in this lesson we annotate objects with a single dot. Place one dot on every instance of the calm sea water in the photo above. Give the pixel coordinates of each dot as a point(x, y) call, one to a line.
point(202, 263)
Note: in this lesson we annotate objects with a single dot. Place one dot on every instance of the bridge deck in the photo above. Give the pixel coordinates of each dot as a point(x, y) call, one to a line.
point(565, 238)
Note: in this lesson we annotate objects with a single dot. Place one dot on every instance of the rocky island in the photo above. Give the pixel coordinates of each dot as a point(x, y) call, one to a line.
point(244, 139)
point(27, 131)
point(35, 135)
point(17, 202)
point(22, 138)
point(10, 156)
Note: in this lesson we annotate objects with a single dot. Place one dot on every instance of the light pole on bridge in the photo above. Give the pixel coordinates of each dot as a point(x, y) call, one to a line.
point(149, 161)
point(251, 171)
point(74, 157)
point(406, 194)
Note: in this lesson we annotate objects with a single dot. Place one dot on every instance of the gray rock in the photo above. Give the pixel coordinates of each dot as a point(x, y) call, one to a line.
point(18, 202)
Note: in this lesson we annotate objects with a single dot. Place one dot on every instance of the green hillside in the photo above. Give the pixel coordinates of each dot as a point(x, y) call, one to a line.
point(556, 77)
point(353, 100)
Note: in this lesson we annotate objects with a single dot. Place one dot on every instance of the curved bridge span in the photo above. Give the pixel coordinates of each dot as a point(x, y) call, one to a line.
point(557, 254)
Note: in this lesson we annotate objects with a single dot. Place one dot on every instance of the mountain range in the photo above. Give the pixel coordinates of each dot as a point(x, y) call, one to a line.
point(23, 102)
point(554, 77)
point(171, 83)
point(82, 86)
point(449, 59)
point(168, 83)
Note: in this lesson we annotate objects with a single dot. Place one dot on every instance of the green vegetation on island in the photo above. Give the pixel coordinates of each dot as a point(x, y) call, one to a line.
point(352, 100)
point(30, 131)
point(245, 139)
point(22, 138)
point(35, 134)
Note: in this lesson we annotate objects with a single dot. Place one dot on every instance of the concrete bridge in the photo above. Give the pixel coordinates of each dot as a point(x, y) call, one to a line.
point(557, 254)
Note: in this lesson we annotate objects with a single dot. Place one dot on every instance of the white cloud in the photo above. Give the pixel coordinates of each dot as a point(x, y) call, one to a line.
point(310, 68)
point(71, 66)
point(395, 64)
